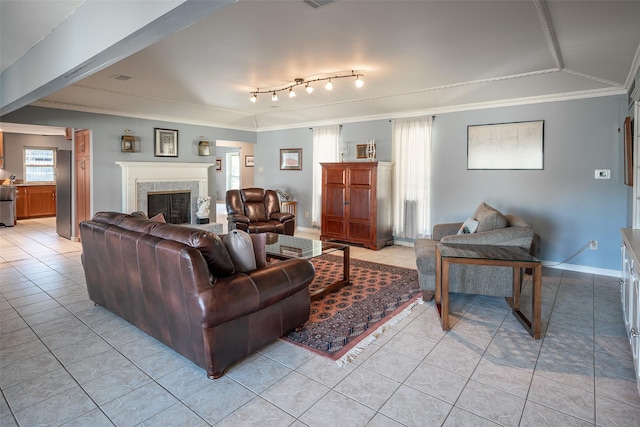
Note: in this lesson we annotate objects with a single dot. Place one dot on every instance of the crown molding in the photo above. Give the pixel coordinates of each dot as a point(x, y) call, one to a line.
point(595, 93)
point(144, 116)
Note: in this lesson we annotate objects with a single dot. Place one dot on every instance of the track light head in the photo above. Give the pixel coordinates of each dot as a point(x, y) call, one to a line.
point(308, 88)
point(292, 94)
point(359, 82)
point(253, 98)
point(274, 97)
point(329, 85)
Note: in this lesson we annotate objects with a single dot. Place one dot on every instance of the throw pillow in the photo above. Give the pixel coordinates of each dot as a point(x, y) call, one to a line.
point(240, 247)
point(158, 218)
point(469, 226)
point(259, 248)
point(489, 218)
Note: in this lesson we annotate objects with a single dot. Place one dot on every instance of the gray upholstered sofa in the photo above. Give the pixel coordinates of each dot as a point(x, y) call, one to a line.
point(494, 228)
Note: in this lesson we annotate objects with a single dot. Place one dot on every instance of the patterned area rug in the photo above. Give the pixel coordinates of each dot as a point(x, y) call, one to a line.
point(343, 322)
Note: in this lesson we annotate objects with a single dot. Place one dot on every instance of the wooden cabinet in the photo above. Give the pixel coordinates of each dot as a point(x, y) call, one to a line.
point(630, 293)
point(356, 203)
point(21, 203)
point(33, 201)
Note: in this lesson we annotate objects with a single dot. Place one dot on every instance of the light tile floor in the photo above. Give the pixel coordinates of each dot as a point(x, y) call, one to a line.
point(64, 361)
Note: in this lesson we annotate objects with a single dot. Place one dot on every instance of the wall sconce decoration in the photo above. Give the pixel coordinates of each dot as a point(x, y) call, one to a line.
point(129, 143)
point(203, 147)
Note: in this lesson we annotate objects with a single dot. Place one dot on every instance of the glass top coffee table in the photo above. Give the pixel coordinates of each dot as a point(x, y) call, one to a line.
point(282, 246)
point(498, 256)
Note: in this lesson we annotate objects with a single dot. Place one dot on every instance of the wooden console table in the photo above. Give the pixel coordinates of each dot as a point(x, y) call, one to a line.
point(497, 256)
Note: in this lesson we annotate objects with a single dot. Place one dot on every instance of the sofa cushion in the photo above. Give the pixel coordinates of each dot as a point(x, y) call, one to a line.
point(158, 218)
point(469, 226)
point(516, 221)
point(240, 248)
point(210, 246)
point(489, 218)
point(260, 248)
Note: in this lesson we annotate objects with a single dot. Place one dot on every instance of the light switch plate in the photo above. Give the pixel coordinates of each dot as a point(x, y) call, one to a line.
point(603, 174)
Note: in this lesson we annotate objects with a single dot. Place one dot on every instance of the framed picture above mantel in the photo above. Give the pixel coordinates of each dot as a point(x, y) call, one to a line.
point(166, 143)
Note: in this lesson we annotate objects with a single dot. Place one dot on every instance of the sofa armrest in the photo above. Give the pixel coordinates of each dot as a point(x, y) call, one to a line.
point(281, 216)
point(238, 218)
point(441, 230)
point(510, 236)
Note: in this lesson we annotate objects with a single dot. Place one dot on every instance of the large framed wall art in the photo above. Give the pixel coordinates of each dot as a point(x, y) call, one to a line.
point(517, 145)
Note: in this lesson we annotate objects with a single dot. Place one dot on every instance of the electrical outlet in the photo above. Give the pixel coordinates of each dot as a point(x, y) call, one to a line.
point(306, 214)
point(593, 245)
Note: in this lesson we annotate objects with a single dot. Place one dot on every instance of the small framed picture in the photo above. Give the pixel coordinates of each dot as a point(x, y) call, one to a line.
point(248, 161)
point(166, 143)
point(291, 159)
point(361, 151)
point(219, 164)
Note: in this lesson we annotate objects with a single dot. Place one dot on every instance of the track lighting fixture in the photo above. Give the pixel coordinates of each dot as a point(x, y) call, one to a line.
point(299, 81)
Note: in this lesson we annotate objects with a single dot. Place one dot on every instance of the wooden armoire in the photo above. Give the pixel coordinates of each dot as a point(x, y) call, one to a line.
point(356, 203)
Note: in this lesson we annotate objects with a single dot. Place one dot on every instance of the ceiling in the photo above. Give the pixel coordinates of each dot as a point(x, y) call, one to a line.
point(417, 57)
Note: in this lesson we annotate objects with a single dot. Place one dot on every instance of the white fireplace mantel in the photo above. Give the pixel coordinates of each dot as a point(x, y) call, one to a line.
point(138, 172)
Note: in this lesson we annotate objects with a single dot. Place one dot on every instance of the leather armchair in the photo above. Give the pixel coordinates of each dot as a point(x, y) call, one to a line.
point(256, 210)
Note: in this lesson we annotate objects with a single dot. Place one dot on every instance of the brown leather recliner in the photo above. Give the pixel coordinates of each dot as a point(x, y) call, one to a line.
point(256, 210)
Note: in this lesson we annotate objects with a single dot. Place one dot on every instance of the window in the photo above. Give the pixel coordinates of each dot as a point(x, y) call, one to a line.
point(412, 186)
point(39, 164)
point(233, 170)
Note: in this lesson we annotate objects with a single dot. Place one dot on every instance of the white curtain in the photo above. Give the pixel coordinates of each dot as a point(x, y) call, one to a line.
point(325, 149)
point(412, 173)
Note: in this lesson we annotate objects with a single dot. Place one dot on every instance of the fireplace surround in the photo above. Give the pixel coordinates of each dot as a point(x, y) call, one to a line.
point(141, 178)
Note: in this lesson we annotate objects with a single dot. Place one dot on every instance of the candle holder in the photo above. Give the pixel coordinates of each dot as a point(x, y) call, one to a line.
point(371, 150)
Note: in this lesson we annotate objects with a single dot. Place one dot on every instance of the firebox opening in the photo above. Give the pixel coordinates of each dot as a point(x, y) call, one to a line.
point(174, 205)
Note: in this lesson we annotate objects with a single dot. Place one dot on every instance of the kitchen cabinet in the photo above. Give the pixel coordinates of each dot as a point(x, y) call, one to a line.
point(630, 293)
point(33, 201)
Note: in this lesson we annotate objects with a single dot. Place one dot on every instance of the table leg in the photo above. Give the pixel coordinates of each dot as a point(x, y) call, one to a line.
point(536, 305)
point(438, 277)
point(345, 264)
point(517, 280)
point(445, 295)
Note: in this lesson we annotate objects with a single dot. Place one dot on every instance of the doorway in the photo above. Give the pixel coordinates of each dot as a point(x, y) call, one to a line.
point(233, 171)
point(83, 177)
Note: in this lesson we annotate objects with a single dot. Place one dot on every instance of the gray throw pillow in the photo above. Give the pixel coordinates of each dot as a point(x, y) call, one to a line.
point(240, 247)
point(489, 218)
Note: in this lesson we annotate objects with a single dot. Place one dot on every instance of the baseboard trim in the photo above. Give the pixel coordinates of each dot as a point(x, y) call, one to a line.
point(582, 269)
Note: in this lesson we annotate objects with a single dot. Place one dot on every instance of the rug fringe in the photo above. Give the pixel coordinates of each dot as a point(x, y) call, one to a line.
point(362, 345)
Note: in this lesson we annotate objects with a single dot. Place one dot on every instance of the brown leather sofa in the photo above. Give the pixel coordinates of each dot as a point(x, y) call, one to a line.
point(179, 285)
point(256, 210)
